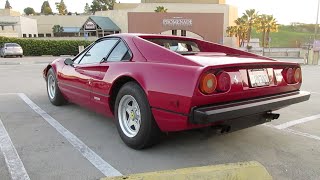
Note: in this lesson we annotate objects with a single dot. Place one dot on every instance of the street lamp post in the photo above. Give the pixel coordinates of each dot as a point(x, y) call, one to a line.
point(317, 22)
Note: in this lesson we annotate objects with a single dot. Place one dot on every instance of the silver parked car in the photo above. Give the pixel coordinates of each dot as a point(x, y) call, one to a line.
point(11, 49)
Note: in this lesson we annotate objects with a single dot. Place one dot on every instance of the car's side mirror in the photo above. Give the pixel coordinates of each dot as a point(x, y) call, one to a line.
point(68, 62)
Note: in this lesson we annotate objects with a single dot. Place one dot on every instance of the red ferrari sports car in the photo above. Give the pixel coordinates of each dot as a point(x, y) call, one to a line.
point(154, 83)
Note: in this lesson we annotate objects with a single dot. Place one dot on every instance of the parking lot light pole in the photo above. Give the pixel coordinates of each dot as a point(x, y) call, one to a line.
point(317, 22)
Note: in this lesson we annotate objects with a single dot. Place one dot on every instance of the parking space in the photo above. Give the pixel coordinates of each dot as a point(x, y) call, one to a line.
point(46, 137)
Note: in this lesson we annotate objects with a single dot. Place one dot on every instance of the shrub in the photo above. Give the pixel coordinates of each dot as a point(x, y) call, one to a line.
point(33, 47)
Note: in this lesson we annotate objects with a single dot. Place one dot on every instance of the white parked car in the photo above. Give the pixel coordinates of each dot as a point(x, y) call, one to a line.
point(11, 49)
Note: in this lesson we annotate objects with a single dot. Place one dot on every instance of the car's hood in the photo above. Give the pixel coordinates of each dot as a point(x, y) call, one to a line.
point(227, 60)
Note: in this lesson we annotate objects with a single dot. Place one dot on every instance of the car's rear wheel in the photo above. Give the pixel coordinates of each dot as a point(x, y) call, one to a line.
point(53, 91)
point(135, 122)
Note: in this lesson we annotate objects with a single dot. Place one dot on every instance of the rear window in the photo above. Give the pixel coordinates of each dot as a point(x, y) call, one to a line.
point(177, 45)
point(12, 45)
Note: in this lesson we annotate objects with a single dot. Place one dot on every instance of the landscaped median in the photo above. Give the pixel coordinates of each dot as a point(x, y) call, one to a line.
point(237, 171)
point(34, 47)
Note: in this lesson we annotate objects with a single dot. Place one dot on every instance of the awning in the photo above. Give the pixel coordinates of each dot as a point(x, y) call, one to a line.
point(100, 23)
point(71, 29)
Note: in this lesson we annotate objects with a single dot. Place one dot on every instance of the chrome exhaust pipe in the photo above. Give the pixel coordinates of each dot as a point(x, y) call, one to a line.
point(271, 116)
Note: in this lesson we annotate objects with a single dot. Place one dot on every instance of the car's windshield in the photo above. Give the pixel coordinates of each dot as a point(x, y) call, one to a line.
point(180, 46)
point(12, 45)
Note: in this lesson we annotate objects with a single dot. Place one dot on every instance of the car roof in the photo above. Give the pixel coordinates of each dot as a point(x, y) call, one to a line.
point(11, 43)
point(126, 35)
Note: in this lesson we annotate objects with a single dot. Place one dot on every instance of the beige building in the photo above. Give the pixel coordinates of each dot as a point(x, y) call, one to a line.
point(14, 25)
point(46, 23)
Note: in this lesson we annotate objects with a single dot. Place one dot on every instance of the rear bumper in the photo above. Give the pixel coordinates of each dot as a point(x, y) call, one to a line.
point(12, 53)
point(217, 113)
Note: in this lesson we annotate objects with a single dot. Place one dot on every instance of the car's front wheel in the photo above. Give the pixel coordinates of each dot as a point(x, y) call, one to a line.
point(53, 91)
point(135, 122)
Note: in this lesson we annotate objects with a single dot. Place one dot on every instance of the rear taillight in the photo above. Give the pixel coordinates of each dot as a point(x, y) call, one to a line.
point(297, 75)
point(224, 81)
point(218, 82)
point(292, 76)
point(208, 83)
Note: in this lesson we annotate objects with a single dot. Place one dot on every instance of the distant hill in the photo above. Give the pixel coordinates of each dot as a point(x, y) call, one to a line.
point(294, 35)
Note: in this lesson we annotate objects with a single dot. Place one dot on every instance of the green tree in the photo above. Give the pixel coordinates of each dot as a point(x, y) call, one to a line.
point(62, 8)
point(29, 11)
point(8, 6)
point(272, 26)
point(97, 6)
point(45, 8)
point(232, 31)
point(161, 9)
point(57, 30)
point(102, 5)
point(261, 26)
point(250, 16)
point(87, 9)
point(242, 30)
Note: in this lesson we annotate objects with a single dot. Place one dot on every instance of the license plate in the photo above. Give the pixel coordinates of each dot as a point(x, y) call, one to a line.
point(259, 77)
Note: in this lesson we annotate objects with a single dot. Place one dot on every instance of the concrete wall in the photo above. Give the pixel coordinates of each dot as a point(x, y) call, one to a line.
point(278, 52)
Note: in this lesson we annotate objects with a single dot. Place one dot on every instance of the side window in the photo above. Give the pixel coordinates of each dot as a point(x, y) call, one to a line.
point(119, 53)
point(99, 51)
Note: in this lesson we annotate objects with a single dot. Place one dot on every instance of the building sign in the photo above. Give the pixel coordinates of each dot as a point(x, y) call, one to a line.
point(177, 22)
point(90, 26)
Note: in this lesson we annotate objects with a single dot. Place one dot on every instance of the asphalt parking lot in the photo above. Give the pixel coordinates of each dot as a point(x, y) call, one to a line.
point(70, 142)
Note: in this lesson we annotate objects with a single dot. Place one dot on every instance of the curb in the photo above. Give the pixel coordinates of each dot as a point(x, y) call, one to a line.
point(236, 171)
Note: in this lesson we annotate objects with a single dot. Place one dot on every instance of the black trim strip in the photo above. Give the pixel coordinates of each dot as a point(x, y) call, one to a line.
point(83, 89)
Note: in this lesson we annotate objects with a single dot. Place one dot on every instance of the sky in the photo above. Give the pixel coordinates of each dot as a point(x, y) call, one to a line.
point(285, 11)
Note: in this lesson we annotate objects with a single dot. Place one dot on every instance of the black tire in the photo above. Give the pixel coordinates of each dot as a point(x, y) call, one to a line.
point(149, 132)
point(57, 99)
point(21, 56)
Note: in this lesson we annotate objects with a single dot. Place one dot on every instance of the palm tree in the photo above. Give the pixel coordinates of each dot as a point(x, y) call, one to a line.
point(271, 26)
point(261, 26)
point(250, 16)
point(160, 9)
point(232, 31)
point(242, 30)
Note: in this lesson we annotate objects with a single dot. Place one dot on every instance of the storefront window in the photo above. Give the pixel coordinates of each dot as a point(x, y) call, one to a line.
point(183, 33)
point(174, 32)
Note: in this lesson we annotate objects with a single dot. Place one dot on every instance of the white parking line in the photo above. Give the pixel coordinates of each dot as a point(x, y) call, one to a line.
point(315, 93)
point(13, 161)
point(303, 134)
point(90, 155)
point(295, 132)
point(6, 94)
point(295, 122)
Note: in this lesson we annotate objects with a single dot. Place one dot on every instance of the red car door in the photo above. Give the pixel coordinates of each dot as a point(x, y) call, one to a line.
point(76, 81)
point(100, 84)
